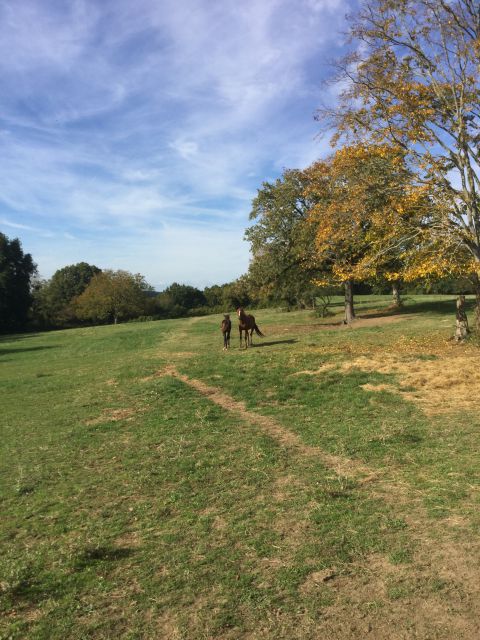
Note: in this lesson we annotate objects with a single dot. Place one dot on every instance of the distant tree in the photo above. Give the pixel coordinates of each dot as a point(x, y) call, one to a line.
point(214, 295)
point(71, 281)
point(112, 296)
point(237, 293)
point(54, 297)
point(178, 299)
point(185, 295)
point(17, 270)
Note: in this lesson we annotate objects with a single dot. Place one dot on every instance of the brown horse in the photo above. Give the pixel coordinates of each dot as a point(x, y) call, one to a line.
point(226, 327)
point(247, 323)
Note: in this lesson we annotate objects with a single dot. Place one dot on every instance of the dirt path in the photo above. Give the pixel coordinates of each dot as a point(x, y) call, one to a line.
point(342, 466)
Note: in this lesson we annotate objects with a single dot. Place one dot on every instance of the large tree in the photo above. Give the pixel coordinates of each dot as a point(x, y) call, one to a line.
point(414, 80)
point(365, 199)
point(16, 272)
point(112, 296)
point(281, 240)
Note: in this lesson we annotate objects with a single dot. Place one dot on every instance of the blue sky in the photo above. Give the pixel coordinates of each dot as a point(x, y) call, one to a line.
point(134, 135)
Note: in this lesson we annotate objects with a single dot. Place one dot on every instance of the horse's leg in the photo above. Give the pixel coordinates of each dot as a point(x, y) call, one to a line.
point(228, 340)
point(240, 331)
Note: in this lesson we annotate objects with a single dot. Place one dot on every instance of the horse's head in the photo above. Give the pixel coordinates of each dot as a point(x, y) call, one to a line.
point(239, 311)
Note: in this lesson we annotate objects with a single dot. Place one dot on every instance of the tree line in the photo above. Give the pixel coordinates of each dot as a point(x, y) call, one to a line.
point(81, 293)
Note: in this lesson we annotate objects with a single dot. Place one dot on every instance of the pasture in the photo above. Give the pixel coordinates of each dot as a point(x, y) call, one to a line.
point(322, 484)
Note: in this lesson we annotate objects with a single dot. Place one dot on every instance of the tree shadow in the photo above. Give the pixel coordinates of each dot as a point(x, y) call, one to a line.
point(327, 325)
point(6, 352)
point(273, 342)
point(388, 313)
point(15, 337)
point(410, 307)
point(433, 306)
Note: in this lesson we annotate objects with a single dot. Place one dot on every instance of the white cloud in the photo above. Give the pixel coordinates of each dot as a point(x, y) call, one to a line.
point(186, 149)
point(14, 225)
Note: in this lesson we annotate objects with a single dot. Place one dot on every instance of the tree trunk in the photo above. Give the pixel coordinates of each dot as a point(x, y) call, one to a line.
point(461, 328)
point(349, 309)
point(476, 284)
point(397, 300)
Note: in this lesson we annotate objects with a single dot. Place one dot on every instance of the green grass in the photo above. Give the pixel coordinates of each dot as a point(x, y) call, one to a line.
point(135, 507)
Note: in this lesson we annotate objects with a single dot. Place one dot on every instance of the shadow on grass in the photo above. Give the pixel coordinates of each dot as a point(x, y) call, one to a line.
point(328, 325)
point(273, 342)
point(442, 307)
point(433, 306)
point(6, 352)
point(15, 337)
point(27, 586)
point(92, 555)
point(388, 313)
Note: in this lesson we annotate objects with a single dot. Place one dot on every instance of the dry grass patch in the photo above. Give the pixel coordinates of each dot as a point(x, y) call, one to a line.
point(361, 322)
point(391, 601)
point(112, 415)
point(400, 346)
point(129, 539)
point(284, 487)
point(316, 579)
point(168, 626)
point(436, 374)
point(329, 366)
point(380, 387)
point(446, 384)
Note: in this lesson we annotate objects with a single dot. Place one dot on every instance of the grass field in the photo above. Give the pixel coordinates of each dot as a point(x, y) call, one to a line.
point(322, 484)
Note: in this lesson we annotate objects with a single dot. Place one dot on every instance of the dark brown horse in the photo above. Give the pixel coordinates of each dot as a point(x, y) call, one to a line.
point(226, 327)
point(247, 323)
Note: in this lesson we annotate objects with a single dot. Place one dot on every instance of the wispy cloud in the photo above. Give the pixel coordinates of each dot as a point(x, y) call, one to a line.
point(15, 225)
point(154, 120)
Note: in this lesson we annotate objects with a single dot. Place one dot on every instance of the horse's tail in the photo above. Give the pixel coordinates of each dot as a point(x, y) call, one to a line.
point(257, 331)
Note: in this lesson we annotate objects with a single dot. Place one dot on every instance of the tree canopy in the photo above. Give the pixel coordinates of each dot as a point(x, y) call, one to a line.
point(54, 297)
point(112, 296)
point(413, 81)
point(281, 241)
point(16, 273)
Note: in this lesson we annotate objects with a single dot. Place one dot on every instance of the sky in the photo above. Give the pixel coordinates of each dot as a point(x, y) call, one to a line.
point(134, 135)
